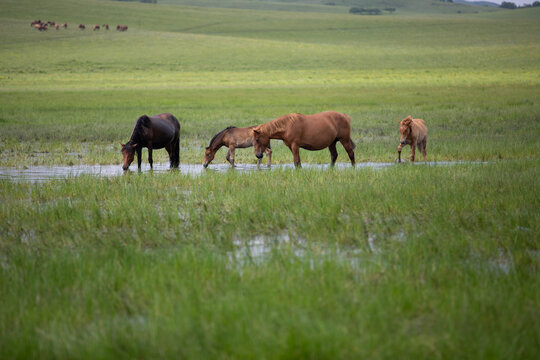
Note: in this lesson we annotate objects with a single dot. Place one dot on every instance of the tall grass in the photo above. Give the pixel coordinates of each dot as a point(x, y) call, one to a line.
point(410, 261)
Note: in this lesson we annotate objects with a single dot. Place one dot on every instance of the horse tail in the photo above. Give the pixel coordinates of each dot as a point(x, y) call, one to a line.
point(178, 148)
point(175, 161)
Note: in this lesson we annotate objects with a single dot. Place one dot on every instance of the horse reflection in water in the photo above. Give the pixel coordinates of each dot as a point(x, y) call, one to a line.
point(153, 132)
point(232, 137)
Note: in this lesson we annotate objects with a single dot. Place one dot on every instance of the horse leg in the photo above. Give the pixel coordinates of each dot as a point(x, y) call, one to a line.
point(413, 150)
point(333, 153)
point(139, 157)
point(174, 154)
point(295, 149)
point(424, 149)
point(268, 152)
point(349, 147)
point(150, 159)
point(231, 156)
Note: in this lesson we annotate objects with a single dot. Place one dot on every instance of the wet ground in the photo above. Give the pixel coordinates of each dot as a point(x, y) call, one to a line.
point(46, 173)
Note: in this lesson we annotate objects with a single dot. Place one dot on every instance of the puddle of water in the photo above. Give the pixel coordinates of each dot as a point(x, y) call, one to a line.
point(38, 174)
point(260, 248)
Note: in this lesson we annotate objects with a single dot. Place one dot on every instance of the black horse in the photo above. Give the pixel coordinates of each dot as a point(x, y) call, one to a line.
point(153, 132)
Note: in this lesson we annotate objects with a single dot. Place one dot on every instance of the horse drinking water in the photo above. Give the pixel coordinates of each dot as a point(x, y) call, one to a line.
point(414, 133)
point(310, 132)
point(153, 132)
point(233, 138)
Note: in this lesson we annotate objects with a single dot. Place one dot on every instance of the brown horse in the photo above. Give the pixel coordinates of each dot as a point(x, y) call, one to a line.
point(153, 132)
point(106, 26)
point(414, 133)
point(64, 25)
point(310, 132)
point(121, 27)
point(42, 27)
point(233, 138)
point(82, 26)
point(96, 27)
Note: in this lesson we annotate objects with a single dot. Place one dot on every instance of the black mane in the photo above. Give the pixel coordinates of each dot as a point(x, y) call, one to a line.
point(138, 132)
point(219, 133)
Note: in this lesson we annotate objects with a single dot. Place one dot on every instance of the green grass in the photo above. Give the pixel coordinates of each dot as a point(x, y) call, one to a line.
point(403, 262)
point(411, 262)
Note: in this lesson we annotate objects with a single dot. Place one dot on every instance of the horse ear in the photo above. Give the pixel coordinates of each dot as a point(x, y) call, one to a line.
point(122, 145)
point(256, 131)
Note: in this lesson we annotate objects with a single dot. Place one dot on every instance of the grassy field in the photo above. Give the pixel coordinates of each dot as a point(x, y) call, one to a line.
point(403, 262)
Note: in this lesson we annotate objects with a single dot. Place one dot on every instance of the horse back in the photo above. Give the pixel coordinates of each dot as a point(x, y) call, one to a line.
point(419, 129)
point(161, 129)
point(240, 137)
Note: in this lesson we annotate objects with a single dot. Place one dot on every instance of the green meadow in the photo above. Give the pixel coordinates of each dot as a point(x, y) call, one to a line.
point(408, 261)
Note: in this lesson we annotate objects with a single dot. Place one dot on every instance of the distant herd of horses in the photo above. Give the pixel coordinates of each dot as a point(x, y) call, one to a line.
point(44, 26)
point(311, 132)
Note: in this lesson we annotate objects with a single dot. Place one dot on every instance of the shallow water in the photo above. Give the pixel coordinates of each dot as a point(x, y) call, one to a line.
point(46, 173)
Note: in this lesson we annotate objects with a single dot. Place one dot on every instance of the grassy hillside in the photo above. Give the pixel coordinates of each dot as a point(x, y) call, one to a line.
point(220, 64)
point(401, 6)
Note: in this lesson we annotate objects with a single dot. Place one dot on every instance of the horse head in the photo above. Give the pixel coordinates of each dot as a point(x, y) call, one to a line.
point(128, 151)
point(209, 154)
point(260, 142)
point(405, 129)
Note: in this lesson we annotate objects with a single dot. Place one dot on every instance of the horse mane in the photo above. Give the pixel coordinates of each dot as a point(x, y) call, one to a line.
point(407, 121)
point(137, 133)
point(278, 125)
point(220, 133)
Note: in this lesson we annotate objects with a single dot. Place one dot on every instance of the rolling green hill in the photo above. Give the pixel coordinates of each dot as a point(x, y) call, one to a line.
point(401, 6)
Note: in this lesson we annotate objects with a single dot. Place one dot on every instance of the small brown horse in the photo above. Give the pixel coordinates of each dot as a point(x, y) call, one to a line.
point(414, 133)
point(82, 26)
point(153, 132)
point(310, 132)
point(232, 137)
point(96, 27)
point(64, 25)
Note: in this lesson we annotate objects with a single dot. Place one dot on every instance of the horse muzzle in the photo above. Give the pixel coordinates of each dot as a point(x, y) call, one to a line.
point(402, 142)
point(205, 165)
point(259, 156)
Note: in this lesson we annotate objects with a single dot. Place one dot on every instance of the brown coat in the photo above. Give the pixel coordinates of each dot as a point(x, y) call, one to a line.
point(413, 132)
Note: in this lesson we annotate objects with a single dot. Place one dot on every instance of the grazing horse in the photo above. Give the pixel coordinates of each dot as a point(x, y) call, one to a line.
point(121, 27)
point(42, 27)
point(153, 132)
point(56, 26)
point(414, 133)
point(96, 27)
point(35, 22)
point(232, 137)
point(64, 25)
point(106, 26)
point(310, 132)
point(82, 26)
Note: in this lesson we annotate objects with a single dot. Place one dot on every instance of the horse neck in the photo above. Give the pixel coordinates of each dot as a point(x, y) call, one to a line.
point(137, 136)
point(276, 128)
point(218, 142)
